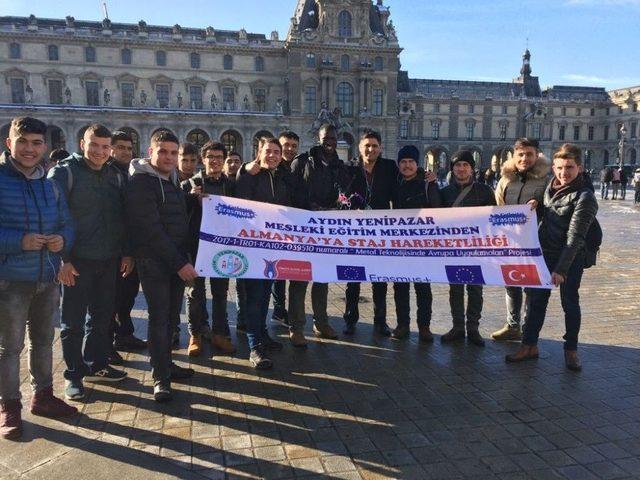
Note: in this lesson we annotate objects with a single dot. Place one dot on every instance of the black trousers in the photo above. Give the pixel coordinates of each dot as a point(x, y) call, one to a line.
point(352, 312)
point(424, 300)
point(127, 289)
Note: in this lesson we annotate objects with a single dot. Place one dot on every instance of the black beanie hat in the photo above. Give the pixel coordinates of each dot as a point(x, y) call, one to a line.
point(463, 156)
point(409, 151)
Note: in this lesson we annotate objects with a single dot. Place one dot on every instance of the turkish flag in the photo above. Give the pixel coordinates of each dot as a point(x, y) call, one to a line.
point(526, 274)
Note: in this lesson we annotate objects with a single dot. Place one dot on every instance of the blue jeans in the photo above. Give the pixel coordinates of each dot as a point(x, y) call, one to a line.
point(258, 293)
point(241, 302)
point(514, 305)
point(570, 300)
point(604, 190)
point(474, 306)
point(26, 306)
point(86, 338)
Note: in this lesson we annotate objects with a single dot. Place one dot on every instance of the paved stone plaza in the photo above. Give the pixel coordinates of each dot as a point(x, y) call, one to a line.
point(367, 407)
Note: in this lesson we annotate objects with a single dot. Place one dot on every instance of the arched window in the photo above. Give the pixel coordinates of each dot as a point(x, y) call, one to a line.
point(232, 141)
point(344, 24)
point(90, 54)
point(53, 53)
point(259, 64)
point(125, 56)
point(198, 137)
point(344, 98)
point(161, 58)
point(344, 62)
point(194, 59)
point(227, 62)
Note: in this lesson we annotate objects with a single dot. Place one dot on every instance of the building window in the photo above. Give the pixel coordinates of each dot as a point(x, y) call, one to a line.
point(563, 111)
point(92, 89)
point(344, 98)
point(128, 90)
point(125, 56)
point(17, 90)
point(378, 101)
point(227, 62)
point(578, 112)
point(562, 132)
point(90, 54)
point(228, 98)
point(633, 129)
point(435, 131)
point(590, 132)
point(536, 129)
point(260, 97)
point(195, 97)
point(503, 131)
point(230, 141)
point(607, 111)
point(344, 24)
point(606, 132)
point(470, 130)
point(404, 128)
point(194, 60)
point(259, 64)
point(161, 58)
point(14, 51)
point(378, 64)
point(344, 62)
point(55, 91)
point(53, 53)
point(436, 108)
point(592, 112)
point(310, 60)
point(505, 109)
point(470, 109)
point(162, 95)
point(576, 132)
point(310, 100)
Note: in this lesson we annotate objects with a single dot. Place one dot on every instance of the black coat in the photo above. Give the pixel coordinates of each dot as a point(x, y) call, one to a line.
point(481, 195)
point(266, 186)
point(413, 194)
point(381, 189)
point(566, 221)
point(157, 217)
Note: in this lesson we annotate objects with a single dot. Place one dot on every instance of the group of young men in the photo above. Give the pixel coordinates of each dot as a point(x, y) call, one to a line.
point(102, 224)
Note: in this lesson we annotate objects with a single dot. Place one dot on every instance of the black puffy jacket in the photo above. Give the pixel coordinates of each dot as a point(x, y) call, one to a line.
point(481, 195)
point(568, 214)
point(268, 186)
point(413, 194)
point(157, 216)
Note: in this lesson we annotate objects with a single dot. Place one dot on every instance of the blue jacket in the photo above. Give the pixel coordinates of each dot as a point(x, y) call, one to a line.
point(30, 205)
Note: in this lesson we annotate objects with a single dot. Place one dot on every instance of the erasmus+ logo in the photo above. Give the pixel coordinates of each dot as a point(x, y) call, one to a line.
point(231, 211)
point(230, 263)
point(508, 219)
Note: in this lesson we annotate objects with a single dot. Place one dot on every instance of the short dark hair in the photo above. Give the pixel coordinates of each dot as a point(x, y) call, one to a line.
point(290, 135)
point(119, 135)
point(164, 136)
point(58, 154)
point(524, 142)
point(233, 153)
point(569, 151)
point(371, 134)
point(23, 125)
point(97, 130)
point(213, 145)
point(327, 126)
point(273, 140)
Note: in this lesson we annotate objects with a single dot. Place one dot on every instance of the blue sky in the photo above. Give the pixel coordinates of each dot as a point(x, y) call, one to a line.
point(573, 42)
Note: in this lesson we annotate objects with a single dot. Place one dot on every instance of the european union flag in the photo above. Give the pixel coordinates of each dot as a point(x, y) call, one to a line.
point(351, 273)
point(468, 274)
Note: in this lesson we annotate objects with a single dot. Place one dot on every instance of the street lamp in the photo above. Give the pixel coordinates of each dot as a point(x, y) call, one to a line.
point(623, 134)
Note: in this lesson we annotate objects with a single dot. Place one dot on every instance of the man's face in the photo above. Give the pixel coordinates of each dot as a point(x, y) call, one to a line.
point(27, 149)
point(566, 170)
point(164, 156)
point(463, 172)
point(213, 162)
point(270, 156)
point(369, 149)
point(122, 151)
point(95, 149)
point(525, 158)
point(187, 164)
point(328, 139)
point(289, 148)
point(232, 164)
point(408, 167)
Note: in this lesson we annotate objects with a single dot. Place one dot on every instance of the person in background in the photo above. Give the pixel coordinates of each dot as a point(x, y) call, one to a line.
point(232, 164)
point(54, 157)
point(187, 161)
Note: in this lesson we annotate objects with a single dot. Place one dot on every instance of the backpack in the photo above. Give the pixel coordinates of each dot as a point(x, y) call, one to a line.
point(592, 243)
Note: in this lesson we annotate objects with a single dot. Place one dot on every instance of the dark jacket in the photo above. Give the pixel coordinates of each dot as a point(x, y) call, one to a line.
point(96, 203)
point(481, 195)
point(380, 189)
point(416, 193)
point(567, 218)
point(606, 175)
point(266, 186)
point(223, 186)
point(30, 205)
point(157, 216)
point(320, 179)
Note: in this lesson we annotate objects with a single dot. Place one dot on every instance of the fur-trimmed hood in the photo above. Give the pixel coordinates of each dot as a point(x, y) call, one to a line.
point(539, 170)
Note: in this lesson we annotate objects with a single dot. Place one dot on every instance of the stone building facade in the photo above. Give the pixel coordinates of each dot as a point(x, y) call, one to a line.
point(339, 63)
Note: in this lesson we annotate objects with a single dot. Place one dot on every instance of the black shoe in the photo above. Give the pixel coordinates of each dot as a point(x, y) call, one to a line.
point(349, 328)
point(107, 374)
point(115, 358)
point(452, 335)
point(271, 344)
point(475, 338)
point(382, 329)
point(181, 373)
point(401, 332)
point(162, 392)
point(175, 341)
point(259, 359)
point(129, 342)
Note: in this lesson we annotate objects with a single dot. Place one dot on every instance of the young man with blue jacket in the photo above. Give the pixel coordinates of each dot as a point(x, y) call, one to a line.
point(35, 227)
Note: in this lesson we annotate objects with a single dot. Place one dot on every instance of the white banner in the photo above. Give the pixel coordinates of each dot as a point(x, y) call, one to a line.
point(477, 245)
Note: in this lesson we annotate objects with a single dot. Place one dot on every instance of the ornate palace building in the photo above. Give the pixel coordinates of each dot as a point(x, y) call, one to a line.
point(339, 63)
